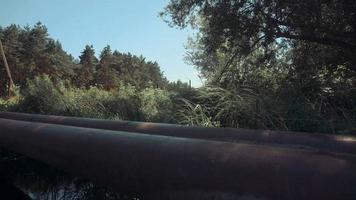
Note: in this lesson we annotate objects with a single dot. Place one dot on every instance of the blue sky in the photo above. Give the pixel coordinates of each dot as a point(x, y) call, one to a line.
point(126, 25)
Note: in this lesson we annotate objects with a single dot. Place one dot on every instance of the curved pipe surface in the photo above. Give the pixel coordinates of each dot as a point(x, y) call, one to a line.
point(143, 164)
point(316, 141)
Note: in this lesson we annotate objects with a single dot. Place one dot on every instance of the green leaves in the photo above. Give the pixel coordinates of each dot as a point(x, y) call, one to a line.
point(156, 105)
point(31, 52)
point(272, 64)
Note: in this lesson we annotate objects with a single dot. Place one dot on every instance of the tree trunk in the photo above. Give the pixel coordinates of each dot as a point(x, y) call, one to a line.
point(10, 82)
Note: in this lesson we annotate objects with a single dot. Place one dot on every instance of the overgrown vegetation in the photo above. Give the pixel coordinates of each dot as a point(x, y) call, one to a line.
point(124, 102)
point(286, 84)
point(281, 65)
point(286, 65)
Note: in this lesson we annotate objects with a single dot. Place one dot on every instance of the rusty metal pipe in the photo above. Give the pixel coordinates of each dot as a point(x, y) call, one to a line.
point(144, 164)
point(328, 143)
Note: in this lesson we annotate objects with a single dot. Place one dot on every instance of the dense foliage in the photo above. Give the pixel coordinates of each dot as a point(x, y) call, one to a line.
point(267, 64)
point(125, 102)
point(31, 52)
point(274, 64)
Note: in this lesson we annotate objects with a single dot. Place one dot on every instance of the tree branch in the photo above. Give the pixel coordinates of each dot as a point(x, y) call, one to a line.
point(320, 40)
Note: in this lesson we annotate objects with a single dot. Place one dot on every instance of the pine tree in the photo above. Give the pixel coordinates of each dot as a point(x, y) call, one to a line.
point(88, 63)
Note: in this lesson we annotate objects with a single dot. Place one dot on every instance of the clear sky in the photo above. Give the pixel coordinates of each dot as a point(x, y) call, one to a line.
point(126, 25)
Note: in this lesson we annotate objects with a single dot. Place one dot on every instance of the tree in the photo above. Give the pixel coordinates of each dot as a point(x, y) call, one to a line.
point(31, 52)
point(296, 59)
point(240, 26)
point(106, 76)
point(128, 68)
point(86, 71)
point(8, 71)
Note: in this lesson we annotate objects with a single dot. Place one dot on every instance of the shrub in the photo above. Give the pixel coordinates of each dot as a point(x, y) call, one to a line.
point(156, 105)
point(124, 103)
point(9, 104)
point(195, 115)
point(86, 102)
point(43, 96)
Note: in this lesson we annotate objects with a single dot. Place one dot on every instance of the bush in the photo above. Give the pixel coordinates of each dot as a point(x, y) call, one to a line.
point(9, 104)
point(86, 102)
point(43, 96)
point(124, 103)
point(195, 115)
point(156, 105)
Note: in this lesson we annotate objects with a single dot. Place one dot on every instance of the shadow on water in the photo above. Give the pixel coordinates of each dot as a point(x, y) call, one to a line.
point(24, 178)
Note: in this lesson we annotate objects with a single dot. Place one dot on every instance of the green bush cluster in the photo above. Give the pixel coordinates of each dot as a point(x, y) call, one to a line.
point(208, 106)
point(8, 104)
point(156, 105)
point(125, 102)
point(42, 96)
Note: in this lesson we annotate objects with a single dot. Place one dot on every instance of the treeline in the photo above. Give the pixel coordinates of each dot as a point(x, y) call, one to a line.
point(115, 85)
point(31, 52)
point(263, 67)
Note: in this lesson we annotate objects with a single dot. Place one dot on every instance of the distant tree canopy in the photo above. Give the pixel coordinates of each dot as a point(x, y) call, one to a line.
point(238, 27)
point(31, 52)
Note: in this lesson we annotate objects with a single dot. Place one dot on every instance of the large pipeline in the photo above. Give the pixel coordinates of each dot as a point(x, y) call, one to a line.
point(316, 141)
point(145, 164)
